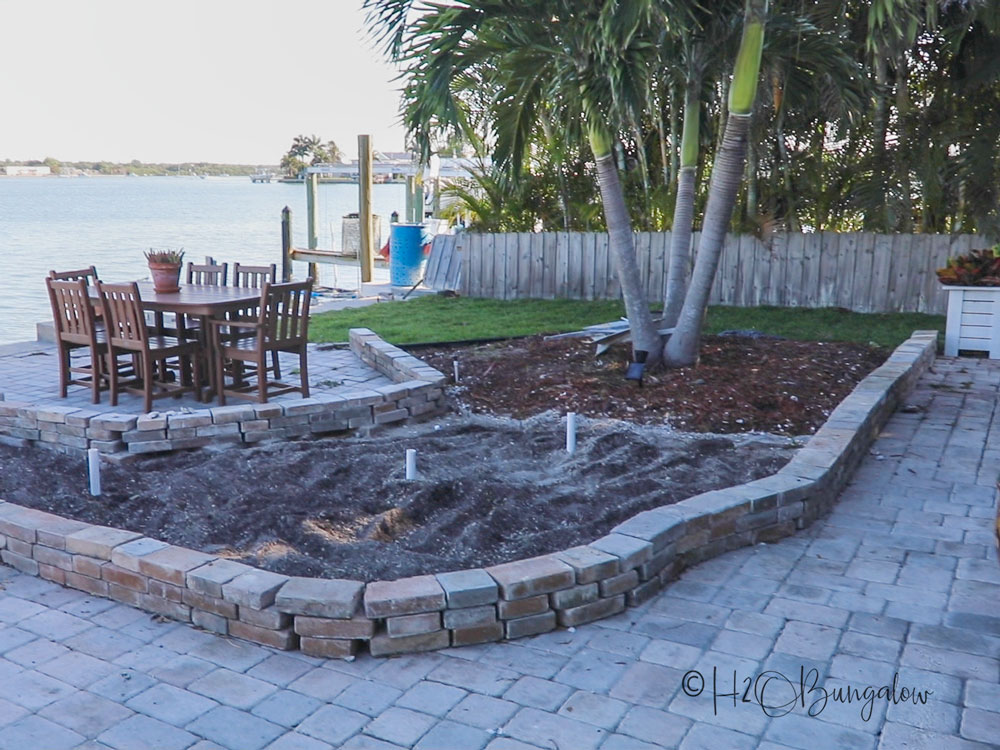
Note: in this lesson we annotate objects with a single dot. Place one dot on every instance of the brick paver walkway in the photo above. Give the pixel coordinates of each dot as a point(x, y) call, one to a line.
point(898, 587)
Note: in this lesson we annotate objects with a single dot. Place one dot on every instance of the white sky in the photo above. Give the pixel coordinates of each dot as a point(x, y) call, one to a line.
point(231, 81)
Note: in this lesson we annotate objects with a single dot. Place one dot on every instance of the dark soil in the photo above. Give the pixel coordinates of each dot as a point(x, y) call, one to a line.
point(490, 489)
point(740, 384)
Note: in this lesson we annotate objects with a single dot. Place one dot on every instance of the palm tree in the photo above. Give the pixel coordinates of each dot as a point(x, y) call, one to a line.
point(682, 347)
point(584, 58)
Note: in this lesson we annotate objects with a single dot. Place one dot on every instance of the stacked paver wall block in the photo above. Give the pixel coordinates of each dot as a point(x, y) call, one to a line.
point(416, 392)
point(337, 618)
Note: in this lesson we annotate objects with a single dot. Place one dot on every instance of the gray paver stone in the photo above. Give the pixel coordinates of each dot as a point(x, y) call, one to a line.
point(405, 596)
point(336, 598)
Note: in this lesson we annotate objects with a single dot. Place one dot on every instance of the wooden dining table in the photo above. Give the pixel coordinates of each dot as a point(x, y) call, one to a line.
point(202, 301)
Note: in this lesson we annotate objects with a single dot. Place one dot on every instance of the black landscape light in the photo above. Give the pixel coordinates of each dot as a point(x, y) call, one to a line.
point(634, 371)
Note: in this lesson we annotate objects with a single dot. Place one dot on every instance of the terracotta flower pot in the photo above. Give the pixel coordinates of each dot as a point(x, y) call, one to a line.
point(166, 276)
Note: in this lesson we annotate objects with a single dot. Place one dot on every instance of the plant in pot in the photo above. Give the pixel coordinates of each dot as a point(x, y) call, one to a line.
point(165, 268)
point(972, 283)
point(975, 268)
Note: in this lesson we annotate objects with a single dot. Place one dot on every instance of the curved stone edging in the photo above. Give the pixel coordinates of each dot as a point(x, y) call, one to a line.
point(334, 618)
point(416, 392)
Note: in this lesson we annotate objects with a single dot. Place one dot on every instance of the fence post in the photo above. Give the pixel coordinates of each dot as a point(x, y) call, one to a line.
point(286, 244)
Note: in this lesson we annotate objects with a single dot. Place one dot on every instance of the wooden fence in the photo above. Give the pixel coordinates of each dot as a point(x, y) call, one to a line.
point(860, 271)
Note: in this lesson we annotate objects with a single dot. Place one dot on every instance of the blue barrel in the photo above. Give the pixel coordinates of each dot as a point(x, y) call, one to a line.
point(406, 254)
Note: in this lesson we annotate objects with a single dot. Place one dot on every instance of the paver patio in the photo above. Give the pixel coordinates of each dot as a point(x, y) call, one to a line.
point(29, 372)
point(898, 586)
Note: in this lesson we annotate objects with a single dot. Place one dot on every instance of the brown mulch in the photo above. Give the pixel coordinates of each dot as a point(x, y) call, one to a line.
point(741, 384)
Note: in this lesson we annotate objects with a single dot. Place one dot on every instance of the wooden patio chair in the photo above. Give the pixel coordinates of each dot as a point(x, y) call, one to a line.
point(89, 276)
point(252, 277)
point(282, 325)
point(76, 327)
point(127, 334)
point(213, 274)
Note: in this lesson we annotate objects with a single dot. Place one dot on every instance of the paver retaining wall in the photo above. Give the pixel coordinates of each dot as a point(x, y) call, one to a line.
point(336, 618)
point(416, 392)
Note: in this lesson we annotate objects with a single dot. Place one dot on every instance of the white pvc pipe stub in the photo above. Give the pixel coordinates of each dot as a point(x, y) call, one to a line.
point(571, 432)
point(94, 471)
point(411, 463)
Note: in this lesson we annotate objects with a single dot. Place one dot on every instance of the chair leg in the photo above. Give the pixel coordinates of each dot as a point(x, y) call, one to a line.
point(220, 377)
point(95, 375)
point(277, 365)
point(304, 372)
point(262, 377)
point(147, 381)
point(196, 367)
point(64, 365)
point(113, 372)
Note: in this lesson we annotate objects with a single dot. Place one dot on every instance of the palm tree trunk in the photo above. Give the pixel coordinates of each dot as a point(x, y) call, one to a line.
point(680, 235)
point(683, 345)
point(674, 163)
point(879, 220)
point(905, 223)
point(644, 334)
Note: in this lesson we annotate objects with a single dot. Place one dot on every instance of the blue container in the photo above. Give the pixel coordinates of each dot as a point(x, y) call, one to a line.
point(406, 254)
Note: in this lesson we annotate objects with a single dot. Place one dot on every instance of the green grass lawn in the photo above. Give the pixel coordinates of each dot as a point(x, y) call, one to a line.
point(433, 319)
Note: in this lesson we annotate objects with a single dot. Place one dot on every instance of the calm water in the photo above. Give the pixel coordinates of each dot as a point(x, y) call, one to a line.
point(48, 223)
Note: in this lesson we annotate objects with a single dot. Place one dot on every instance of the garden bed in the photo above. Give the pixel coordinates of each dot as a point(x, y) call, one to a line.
point(491, 489)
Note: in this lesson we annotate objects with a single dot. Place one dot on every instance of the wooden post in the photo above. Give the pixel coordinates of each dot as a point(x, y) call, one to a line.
point(408, 210)
point(286, 244)
point(312, 187)
point(366, 253)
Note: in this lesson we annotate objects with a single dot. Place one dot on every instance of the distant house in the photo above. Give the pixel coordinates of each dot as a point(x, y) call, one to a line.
point(20, 170)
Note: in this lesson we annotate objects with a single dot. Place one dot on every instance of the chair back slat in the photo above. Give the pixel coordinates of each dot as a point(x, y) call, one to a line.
point(253, 277)
point(284, 312)
point(125, 320)
point(209, 275)
point(88, 275)
point(72, 309)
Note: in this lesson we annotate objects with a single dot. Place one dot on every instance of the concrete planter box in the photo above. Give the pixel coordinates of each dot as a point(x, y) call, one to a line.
point(973, 320)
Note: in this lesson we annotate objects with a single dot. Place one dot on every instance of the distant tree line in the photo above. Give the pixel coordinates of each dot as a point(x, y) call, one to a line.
point(141, 168)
